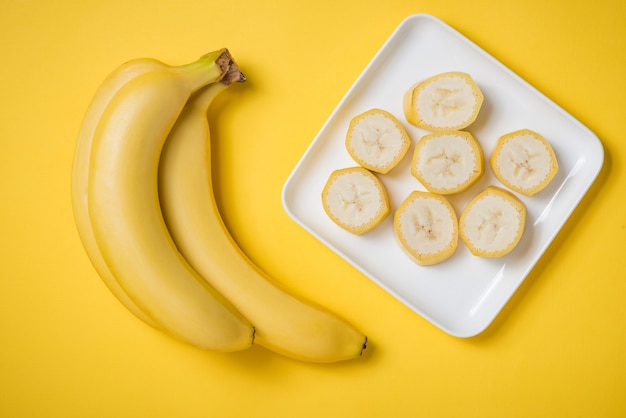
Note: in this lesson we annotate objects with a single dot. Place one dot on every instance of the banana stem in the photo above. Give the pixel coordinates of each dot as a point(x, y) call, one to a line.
point(233, 75)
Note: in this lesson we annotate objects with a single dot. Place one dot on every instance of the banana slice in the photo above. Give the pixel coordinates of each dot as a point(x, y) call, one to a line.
point(492, 223)
point(355, 199)
point(426, 226)
point(524, 162)
point(449, 100)
point(447, 162)
point(377, 140)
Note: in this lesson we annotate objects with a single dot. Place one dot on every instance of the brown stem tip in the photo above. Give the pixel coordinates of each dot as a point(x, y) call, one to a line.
point(232, 74)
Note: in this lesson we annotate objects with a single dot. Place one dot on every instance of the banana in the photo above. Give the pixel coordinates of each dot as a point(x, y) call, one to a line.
point(284, 323)
point(377, 140)
point(125, 216)
point(447, 162)
point(449, 100)
point(80, 173)
point(492, 223)
point(355, 199)
point(524, 161)
point(426, 226)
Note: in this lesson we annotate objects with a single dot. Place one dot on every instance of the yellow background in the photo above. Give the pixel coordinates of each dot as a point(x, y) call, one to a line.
point(69, 349)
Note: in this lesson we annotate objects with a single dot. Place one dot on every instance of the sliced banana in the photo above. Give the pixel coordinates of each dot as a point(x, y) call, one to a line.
point(524, 161)
point(377, 140)
point(492, 223)
point(449, 100)
point(355, 199)
point(426, 226)
point(447, 162)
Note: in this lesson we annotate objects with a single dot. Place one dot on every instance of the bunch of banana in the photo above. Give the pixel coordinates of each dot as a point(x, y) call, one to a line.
point(146, 214)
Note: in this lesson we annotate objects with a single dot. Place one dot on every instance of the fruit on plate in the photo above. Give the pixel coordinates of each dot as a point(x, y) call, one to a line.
point(524, 161)
point(377, 140)
point(355, 199)
point(447, 162)
point(426, 226)
point(284, 322)
point(125, 132)
point(450, 100)
point(493, 222)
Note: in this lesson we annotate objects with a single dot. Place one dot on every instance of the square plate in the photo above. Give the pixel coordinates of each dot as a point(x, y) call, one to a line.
point(463, 294)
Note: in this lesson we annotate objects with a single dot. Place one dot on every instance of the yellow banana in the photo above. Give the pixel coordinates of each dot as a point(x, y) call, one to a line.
point(126, 219)
point(283, 322)
point(80, 172)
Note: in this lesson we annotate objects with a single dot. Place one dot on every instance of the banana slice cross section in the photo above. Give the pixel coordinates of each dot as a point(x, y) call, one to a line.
point(524, 162)
point(492, 223)
point(447, 162)
point(355, 199)
point(448, 100)
point(377, 140)
point(426, 226)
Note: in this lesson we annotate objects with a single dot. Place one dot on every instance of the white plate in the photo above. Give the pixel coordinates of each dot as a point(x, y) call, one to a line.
point(462, 295)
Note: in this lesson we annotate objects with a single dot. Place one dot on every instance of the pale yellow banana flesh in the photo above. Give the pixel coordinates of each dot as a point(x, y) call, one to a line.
point(493, 222)
point(449, 100)
point(283, 322)
point(426, 226)
point(377, 140)
point(126, 218)
point(355, 199)
point(447, 162)
point(524, 162)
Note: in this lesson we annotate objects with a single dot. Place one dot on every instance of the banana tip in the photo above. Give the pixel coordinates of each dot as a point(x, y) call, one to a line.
point(363, 347)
